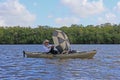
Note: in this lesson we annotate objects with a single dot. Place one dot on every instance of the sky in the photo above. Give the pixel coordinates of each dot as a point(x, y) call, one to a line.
point(58, 13)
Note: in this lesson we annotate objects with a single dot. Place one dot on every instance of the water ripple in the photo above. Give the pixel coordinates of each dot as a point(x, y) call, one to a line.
point(104, 66)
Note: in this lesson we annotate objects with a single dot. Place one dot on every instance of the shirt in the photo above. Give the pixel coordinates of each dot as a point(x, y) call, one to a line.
point(46, 49)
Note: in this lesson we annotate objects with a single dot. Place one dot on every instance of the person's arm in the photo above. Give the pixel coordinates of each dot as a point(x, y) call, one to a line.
point(50, 46)
point(46, 49)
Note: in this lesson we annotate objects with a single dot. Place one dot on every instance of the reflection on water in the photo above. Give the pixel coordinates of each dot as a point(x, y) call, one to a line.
point(104, 66)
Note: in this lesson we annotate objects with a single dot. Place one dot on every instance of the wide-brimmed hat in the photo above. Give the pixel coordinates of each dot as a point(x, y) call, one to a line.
point(45, 41)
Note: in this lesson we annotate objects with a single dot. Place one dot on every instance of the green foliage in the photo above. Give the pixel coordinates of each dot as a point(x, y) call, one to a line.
point(78, 34)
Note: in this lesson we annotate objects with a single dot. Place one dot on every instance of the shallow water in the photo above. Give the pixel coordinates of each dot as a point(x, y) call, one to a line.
point(104, 66)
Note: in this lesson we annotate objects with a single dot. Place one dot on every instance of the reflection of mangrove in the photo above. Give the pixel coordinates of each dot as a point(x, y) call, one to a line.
point(78, 34)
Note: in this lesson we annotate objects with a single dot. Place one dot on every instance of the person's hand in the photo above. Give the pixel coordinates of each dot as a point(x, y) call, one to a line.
point(52, 46)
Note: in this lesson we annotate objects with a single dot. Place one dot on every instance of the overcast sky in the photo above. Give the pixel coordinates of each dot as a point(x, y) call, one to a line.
point(58, 13)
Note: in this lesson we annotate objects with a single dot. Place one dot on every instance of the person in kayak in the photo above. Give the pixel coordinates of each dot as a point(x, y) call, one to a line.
point(48, 48)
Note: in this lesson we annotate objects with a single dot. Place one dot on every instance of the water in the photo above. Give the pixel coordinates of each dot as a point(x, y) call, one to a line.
point(104, 66)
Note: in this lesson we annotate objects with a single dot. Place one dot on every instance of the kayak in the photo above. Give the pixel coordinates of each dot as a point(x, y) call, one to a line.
point(82, 55)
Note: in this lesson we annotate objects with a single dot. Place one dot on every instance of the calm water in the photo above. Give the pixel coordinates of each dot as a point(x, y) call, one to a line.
point(104, 66)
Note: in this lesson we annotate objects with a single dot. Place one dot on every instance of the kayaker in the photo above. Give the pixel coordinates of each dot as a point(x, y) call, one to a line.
point(48, 48)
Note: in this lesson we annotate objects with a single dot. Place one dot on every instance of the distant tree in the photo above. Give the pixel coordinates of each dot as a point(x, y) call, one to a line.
point(78, 34)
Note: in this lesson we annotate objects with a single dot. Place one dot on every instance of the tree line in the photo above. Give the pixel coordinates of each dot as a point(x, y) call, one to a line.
point(77, 34)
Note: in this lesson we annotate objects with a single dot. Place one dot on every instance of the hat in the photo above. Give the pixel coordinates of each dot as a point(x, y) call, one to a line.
point(45, 41)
